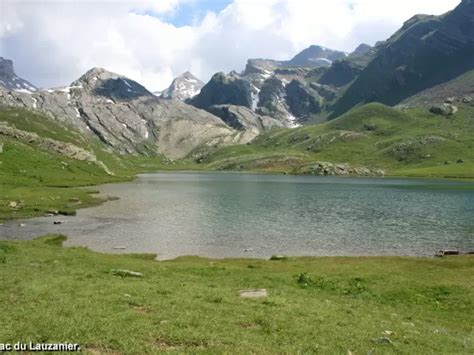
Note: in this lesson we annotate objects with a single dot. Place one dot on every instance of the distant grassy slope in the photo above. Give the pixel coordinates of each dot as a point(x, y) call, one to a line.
point(411, 143)
point(378, 305)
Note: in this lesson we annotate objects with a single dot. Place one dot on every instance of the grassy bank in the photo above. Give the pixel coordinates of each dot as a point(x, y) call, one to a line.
point(326, 305)
point(408, 143)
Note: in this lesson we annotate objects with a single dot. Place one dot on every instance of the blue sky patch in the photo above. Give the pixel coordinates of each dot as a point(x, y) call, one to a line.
point(192, 12)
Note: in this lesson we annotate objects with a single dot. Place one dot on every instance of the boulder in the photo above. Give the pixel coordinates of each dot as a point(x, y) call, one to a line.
point(253, 293)
point(444, 109)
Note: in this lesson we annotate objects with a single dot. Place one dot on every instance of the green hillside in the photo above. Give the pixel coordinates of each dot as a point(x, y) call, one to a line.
point(413, 142)
point(35, 180)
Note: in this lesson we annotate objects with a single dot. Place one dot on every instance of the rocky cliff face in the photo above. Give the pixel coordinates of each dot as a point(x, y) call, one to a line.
point(224, 89)
point(183, 87)
point(10, 81)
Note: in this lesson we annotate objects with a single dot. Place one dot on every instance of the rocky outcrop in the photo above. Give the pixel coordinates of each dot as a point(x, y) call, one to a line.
point(51, 145)
point(10, 81)
point(183, 87)
point(444, 109)
point(330, 169)
point(302, 100)
point(272, 101)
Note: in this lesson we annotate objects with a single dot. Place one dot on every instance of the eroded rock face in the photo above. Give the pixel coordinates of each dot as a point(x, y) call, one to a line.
point(301, 100)
point(181, 128)
point(244, 119)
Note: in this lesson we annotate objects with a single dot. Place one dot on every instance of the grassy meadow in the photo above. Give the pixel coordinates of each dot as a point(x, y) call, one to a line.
point(377, 305)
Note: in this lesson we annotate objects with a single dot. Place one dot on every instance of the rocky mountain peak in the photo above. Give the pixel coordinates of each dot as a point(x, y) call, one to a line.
point(361, 49)
point(183, 87)
point(94, 76)
point(6, 67)
point(10, 81)
point(316, 56)
point(99, 81)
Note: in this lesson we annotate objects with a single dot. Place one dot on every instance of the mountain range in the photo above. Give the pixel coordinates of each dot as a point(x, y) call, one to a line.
point(430, 59)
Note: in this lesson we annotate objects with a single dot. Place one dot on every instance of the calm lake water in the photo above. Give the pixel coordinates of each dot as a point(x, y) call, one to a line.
point(223, 214)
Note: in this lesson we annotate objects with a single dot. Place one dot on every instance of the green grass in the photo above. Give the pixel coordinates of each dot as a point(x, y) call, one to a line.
point(315, 305)
point(412, 143)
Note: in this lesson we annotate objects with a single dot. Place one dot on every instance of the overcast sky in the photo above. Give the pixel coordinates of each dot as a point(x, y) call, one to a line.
point(54, 42)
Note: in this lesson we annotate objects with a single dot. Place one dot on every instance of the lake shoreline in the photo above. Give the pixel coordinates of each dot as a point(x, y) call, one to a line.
point(80, 231)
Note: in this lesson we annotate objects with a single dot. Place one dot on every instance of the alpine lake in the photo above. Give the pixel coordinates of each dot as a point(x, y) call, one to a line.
point(223, 215)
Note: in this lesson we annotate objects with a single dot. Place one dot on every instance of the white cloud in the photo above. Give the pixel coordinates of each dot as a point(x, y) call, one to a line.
point(54, 42)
